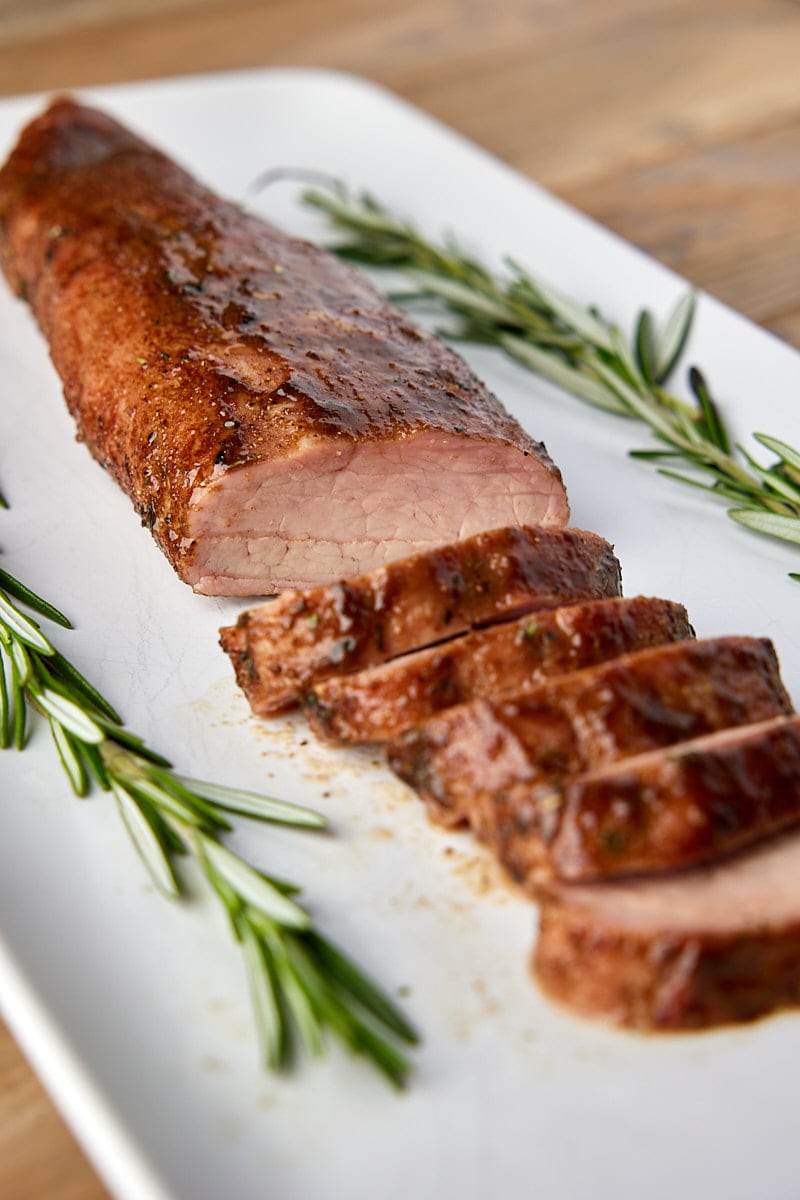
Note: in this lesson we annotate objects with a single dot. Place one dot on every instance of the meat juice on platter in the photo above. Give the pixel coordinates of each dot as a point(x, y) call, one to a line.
point(278, 425)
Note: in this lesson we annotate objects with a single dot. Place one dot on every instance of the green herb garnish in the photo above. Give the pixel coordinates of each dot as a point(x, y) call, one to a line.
point(577, 349)
point(302, 987)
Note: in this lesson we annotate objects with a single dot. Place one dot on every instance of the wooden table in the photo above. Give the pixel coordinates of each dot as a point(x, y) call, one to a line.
point(676, 122)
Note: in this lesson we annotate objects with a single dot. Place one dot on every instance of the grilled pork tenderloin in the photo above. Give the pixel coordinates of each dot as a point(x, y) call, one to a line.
point(500, 765)
point(686, 950)
point(280, 649)
point(275, 422)
point(673, 808)
point(381, 702)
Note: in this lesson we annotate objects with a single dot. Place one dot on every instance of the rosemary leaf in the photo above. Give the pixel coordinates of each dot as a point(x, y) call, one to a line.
point(643, 340)
point(20, 711)
point(712, 420)
point(302, 997)
point(786, 453)
point(559, 372)
point(575, 316)
point(787, 488)
point(167, 781)
point(71, 758)
point(20, 662)
point(341, 968)
point(786, 528)
point(270, 1023)
point(165, 801)
point(70, 715)
point(252, 804)
point(22, 627)
point(253, 887)
point(31, 600)
point(672, 337)
point(146, 841)
point(5, 708)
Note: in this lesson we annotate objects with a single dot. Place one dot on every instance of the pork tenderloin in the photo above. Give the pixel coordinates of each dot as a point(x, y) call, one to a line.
point(281, 649)
point(379, 703)
point(275, 422)
point(500, 765)
point(690, 950)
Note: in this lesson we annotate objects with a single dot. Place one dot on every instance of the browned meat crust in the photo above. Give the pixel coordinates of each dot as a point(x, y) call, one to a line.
point(501, 764)
point(382, 702)
point(273, 420)
point(279, 650)
point(686, 951)
point(675, 808)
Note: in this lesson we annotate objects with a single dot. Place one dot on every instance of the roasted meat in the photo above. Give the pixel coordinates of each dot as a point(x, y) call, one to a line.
point(280, 649)
point(691, 949)
point(501, 764)
point(275, 422)
point(379, 703)
point(673, 808)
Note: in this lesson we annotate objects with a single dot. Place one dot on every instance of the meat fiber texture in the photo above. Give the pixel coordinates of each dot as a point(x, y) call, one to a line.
point(379, 703)
point(280, 649)
point(688, 950)
point(275, 422)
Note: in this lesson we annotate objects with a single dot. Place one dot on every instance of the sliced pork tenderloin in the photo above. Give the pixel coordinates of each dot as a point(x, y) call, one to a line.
point(381, 702)
point(689, 950)
point(275, 422)
point(500, 764)
point(282, 648)
point(678, 807)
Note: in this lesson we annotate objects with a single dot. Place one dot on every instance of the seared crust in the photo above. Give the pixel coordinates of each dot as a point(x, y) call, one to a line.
point(691, 804)
point(668, 981)
point(382, 702)
point(501, 764)
point(279, 650)
point(683, 951)
point(195, 341)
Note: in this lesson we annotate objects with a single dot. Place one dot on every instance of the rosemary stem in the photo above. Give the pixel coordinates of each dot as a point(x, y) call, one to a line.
point(578, 350)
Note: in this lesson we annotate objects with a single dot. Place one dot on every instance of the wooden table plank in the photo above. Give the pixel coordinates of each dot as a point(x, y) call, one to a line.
point(727, 216)
point(626, 108)
point(39, 1159)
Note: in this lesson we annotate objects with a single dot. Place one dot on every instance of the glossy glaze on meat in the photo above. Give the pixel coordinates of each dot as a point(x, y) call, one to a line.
point(381, 702)
point(500, 765)
point(274, 421)
point(280, 649)
point(687, 950)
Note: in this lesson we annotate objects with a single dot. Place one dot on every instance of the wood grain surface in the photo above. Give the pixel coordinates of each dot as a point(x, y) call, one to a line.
point(674, 122)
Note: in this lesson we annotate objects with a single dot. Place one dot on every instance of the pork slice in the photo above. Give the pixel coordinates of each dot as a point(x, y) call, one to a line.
point(275, 422)
point(682, 806)
point(381, 702)
point(500, 765)
point(689, 950)
point(282, 648)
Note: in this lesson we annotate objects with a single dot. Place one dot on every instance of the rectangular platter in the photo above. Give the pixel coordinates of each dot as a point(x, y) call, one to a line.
point(134, 1009)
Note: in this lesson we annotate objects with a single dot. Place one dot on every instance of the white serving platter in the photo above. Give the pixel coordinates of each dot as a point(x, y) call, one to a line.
point(134, 1009)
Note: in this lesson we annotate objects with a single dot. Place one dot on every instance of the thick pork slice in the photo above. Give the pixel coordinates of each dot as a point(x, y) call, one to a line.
point(673, 808)
point(280, 649)
point(684, 951)
point(275, 422)
point(500, 764)
point(381, 702)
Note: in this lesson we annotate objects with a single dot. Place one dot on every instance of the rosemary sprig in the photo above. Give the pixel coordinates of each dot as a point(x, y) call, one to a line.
point(577, 349)
point(302, 987)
